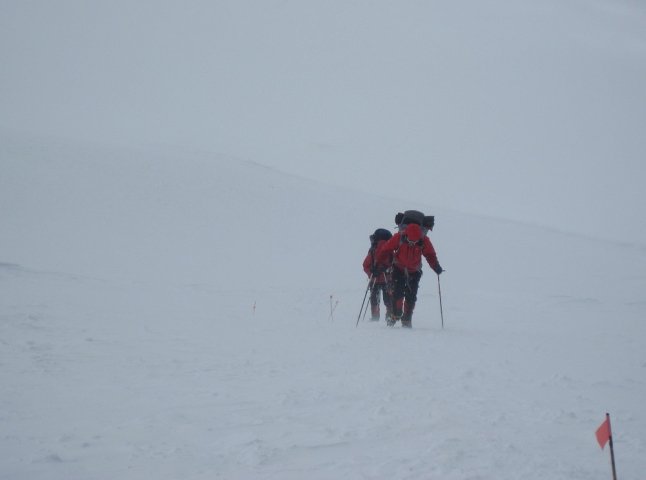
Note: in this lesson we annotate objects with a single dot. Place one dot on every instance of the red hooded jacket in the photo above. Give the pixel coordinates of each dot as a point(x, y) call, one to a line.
point(371, 260)
point(406, 256)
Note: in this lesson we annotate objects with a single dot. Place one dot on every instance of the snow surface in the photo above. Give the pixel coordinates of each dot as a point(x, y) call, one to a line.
point(167, 315)
point(186, 194)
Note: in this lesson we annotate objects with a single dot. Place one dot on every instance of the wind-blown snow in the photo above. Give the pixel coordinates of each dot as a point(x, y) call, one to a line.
point(186, 195)
point(131, 347)
point(530, 110)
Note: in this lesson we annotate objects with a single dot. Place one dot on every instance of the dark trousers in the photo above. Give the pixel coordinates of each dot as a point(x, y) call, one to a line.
point(375, 291)
point(405, 287)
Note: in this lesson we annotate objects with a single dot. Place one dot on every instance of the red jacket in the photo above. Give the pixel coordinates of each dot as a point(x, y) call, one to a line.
point(405, 256)
point(371, 260)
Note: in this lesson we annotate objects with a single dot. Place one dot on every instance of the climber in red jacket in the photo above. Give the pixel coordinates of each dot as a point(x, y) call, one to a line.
point(379, 286)
point(404, 251)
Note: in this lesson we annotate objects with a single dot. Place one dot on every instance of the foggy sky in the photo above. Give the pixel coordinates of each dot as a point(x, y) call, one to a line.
point(534, 111)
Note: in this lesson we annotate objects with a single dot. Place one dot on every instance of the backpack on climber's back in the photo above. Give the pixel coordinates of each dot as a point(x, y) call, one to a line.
point(378, 235)
point(402, 220)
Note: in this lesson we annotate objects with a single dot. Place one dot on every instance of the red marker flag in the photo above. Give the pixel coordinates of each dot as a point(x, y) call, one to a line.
point(603, 432)
point(604, 435)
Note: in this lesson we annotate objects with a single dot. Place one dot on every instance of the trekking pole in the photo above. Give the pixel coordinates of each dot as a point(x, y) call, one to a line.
point(439, 291)
point(364, 300)
point(365, 312)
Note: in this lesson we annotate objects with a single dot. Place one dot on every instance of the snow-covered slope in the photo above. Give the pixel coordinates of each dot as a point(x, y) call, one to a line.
point(166, 314)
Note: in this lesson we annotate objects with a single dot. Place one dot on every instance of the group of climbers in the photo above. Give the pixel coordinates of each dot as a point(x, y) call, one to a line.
point(394, 266)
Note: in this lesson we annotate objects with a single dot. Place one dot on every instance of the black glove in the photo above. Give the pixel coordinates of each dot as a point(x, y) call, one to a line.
point(438, 269)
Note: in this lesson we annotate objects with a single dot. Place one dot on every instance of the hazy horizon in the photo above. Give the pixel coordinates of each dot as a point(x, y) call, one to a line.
point(533, 111)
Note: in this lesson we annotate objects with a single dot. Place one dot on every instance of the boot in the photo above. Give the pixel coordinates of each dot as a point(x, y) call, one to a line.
point(396, 314)
point(407, 318)
point(374, 311)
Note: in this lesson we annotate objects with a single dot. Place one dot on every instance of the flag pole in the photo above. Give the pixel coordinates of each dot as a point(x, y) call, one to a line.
point(612, 450)
point(604, 435)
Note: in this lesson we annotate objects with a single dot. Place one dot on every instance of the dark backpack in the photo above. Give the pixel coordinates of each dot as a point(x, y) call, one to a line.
point(380, 234)
point(402, 220)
